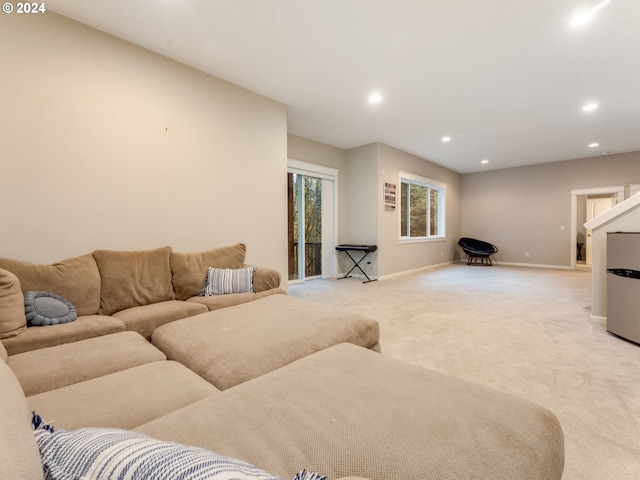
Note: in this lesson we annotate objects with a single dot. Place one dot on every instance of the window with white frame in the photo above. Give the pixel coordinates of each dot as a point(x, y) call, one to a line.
point(422, 208)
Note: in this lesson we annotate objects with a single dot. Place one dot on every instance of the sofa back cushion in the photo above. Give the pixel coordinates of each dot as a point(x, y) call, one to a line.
point(12, 317)
point(19, 455)
point(133, 278)
point(188, 270)
point(76, 279)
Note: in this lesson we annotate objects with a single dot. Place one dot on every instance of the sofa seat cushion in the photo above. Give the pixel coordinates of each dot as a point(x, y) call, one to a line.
point(55, 367)
point(133, 278)
point(232, 345)
point(76, 279)
point(19, 456)
point(145, 319)
point(346, 411)
point(84, 327)
point(123, 399)
point(215, 302)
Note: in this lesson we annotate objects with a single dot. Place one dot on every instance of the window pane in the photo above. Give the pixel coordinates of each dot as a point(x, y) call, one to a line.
point(433, 213)
point(293, 225)
point(422, 202)
point(404, 215)
point(305, 226)
point(313, 226)
point(418, 210)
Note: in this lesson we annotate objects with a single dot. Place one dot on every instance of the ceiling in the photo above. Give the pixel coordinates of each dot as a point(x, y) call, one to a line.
point(505, 79)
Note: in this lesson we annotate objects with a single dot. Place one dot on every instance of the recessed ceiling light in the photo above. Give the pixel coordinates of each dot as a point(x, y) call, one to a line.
point(589, 107)
point(581, 18)
point(584, 17)
point(375, 97)
point(594, 145)
point(446, 139)
point(484, 161)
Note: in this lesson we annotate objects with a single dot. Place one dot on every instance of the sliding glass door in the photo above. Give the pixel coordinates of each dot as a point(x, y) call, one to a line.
point(305, 226)
point(312, 205)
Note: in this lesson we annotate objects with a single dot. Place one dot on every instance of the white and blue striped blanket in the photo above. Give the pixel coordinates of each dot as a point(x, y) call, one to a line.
point(110, 454)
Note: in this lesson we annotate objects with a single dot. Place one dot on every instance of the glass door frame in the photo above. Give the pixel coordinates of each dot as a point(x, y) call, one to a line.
point(329, 211)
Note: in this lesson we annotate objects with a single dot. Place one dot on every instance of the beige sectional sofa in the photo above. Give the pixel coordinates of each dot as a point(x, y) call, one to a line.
point(114, 291)
point(271, 380)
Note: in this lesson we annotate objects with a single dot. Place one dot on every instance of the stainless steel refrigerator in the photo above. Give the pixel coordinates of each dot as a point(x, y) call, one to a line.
point(623, 285)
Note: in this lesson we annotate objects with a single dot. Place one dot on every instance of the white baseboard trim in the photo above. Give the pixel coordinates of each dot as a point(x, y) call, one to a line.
point(440, 265)
point(357, 276)
point(597, 319)
point(415, 270)
point(534, 265)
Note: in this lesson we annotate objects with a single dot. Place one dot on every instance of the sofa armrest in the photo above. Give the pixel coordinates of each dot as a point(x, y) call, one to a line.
point(265, 278)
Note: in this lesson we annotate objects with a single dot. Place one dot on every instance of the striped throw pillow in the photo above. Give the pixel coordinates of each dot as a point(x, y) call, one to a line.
point(104, 454)
point(220, 281)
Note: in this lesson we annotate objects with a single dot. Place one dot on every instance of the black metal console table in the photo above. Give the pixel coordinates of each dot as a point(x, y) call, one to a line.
point(367, 249)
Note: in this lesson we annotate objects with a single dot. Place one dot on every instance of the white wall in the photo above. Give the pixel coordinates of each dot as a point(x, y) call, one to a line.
point(524, 209)
point(362, 195)
point(107, 145)
point(361, 206)
point(396, 257)
point(362, 218)
point(371, 166)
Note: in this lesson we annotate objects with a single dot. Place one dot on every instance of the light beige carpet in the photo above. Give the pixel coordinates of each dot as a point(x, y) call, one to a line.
point(521, 330)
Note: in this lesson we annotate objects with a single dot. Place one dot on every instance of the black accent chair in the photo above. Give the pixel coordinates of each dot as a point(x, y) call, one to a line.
point(479, 252)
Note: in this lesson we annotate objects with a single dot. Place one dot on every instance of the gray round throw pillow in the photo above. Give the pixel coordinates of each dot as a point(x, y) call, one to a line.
point(44, 308)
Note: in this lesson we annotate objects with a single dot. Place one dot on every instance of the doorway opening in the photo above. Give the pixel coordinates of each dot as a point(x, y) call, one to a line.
point(311, 221)
point(586, 204)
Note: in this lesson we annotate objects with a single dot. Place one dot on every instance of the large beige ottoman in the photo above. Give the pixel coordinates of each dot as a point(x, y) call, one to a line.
point(346, 411)
point(123, 399)
point(55, 367)
point(235, 344)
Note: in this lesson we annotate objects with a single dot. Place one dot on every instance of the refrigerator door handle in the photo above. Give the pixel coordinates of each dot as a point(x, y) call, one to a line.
point(625, 272)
